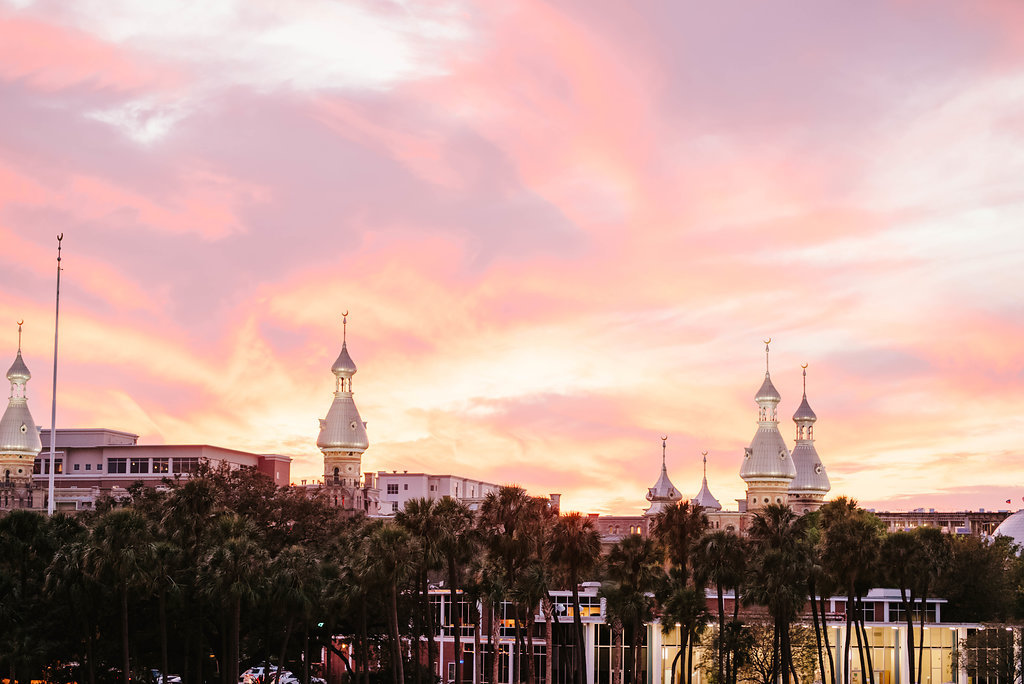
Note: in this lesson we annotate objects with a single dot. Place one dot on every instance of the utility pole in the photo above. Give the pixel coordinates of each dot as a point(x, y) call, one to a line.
point(53, 412)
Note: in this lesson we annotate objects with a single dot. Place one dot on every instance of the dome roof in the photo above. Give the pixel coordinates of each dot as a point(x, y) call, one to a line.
point(18, 432)
point(18, 371)
point(810, 473)
point(344, 365)
point(705, 499)
point(804, 412)
point(767, 456)
point(767, 391)
point(1012, 527)
point(342, 429)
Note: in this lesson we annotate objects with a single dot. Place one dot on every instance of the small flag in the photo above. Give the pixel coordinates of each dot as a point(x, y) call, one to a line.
point(1009, 500)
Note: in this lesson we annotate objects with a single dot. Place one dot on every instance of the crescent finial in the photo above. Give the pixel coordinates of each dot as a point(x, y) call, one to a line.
point(664, 438)
point(21, 322)
point(344, 313)
point(703, 453)
point(804, 366)
point(768, 341)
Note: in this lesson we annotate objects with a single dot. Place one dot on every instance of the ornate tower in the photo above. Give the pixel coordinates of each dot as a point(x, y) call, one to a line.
point(342, 438)
point(705, 499)
point(809, 487)
point(663, 494)
point(767, 465)
point(19, 438)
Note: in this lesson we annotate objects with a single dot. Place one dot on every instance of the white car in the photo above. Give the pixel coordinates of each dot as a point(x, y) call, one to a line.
point(263, 674)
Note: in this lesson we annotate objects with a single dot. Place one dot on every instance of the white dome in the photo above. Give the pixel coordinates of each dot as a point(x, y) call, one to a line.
point(1012, 527)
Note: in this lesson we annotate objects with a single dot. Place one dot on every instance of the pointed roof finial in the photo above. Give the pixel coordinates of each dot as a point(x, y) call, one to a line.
point(705, 455)
point(344, 328)
point(664, 438)
point(804, 366)
point(766, 343)
point(20, 323)
point(804, 411)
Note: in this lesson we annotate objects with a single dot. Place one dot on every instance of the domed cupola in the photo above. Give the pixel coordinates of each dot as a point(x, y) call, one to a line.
point(342, 438)
point(767, 465)
point(342, 429)
point(704, 498)
point(811, 484)
point(663, 494)
point(19, 437)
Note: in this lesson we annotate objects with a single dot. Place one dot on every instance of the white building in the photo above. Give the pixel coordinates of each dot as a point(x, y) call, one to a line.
point(397, 488)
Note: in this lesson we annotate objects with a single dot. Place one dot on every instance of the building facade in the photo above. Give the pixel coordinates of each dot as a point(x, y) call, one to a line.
point(398, 488)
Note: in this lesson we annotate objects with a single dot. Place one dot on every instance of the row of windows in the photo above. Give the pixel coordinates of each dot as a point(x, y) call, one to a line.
point(137, 466)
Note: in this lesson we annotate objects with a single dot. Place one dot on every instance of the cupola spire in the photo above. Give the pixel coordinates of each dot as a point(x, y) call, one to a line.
point(705, 499)
point(663, 493)
point(811, 484)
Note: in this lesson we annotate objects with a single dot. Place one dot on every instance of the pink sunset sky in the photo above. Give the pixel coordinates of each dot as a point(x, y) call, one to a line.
point(561, 230)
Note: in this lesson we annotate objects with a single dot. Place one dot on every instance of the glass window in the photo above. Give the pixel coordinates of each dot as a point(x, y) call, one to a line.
point(393, 488)
point(117, 465)
point(186, 465)
point(76, 466)
point(140, 465)
point(161, 465)
point(88, 466)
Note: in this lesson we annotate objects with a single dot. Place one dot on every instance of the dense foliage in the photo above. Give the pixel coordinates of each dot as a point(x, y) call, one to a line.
point(224, 570)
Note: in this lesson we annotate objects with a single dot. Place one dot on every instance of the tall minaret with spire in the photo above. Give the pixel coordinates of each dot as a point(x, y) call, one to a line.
point(767, 466)
point(809, 487)
point(342, 438)
point(663, 494)
point(19, 437)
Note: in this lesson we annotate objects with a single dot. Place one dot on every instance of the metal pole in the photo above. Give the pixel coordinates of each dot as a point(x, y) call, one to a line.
point(53, 412)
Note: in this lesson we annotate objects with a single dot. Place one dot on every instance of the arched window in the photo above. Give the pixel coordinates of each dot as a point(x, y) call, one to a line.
point(336, 471)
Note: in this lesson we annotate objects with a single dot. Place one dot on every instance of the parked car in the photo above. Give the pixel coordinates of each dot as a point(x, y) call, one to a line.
point(264, 674)
point(156, 678)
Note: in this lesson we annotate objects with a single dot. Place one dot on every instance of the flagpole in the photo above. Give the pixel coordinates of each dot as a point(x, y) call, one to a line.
point(53, 411)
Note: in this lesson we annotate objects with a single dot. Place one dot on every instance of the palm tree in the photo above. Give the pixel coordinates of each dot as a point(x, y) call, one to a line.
point(118, 554)
point(66, 578)
point(232, 572)
point(778, 580)
point(456, 542)
point(633, 573)
point(683, 605)
point(935, 559)
point(294, 581)
point(419, 518)
point(720, 558)
point(850, 547)
point(574, 547)
point(391, 554)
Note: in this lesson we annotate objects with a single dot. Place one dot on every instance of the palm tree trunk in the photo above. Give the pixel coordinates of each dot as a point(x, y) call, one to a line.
point(776, 637)
point(516, 610)
point(163, 636)
point(867, 650)
point(689, 657)
point(638, 673)
point(828, 646)
point(492, 642)
point(908, 614)
point(456, 616)
point(530, 621)
point(284, 647)
point(721, 633)
point(860, 642)
point(125, 663)
point(577, 619)
point(477, 660)
point(847, 675)
point(88, 650)
point(549, 640)
point(396, 644)
point(817, 624)
point(920, 647)
point(236, 628)
point(364, 654)
point(417, 631)
point(617, 651)
point(675, 661)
